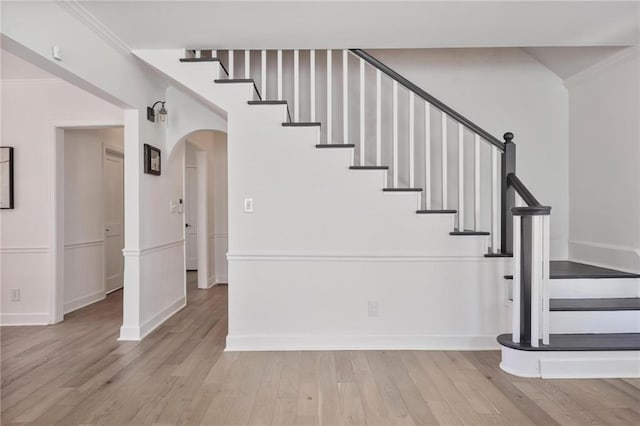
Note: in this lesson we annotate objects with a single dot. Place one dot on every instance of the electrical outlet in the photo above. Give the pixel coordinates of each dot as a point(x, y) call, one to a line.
point(15, 294)
point(248, 205)
point(373, 309)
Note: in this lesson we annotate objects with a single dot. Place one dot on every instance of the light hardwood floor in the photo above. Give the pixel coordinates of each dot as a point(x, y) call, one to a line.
point(77, 373)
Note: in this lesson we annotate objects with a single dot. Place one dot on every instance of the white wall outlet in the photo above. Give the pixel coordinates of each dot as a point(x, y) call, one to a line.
point(248, 205)
point(15, 294)
point(373, 309)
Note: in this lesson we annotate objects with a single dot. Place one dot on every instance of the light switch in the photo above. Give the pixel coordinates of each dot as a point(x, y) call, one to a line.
point(248, 205)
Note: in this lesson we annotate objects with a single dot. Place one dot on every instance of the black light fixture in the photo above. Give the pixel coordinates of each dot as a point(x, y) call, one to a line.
point(162, 112)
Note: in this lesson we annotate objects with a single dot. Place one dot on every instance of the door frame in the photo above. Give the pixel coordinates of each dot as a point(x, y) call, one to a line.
point(56, 296)
point(114, 151)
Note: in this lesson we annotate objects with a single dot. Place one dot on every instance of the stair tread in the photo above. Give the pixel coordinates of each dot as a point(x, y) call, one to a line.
point(301, 124)
point(565, 269)
point(199, 60)
point(498, 255)
point(598, 304)
point(402, 189)
point(266, 102)
point(336, 145)
point(469, 232)
point(234, 80)
point(580, 342)
point(435, 211)
point(369, 167)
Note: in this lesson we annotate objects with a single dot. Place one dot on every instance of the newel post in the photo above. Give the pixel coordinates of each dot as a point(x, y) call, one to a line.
point(508, 195)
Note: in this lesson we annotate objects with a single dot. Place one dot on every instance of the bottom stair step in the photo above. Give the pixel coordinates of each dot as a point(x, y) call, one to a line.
point(579, 342)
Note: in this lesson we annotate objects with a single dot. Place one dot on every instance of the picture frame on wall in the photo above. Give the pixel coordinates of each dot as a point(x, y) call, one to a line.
point(152, 160)
point(6, 177)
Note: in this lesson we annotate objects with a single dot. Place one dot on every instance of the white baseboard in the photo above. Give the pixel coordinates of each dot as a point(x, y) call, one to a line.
point(221, 279)
point(211, 282)
point(115, 289)
point(83, 301)
point(623, 258)
point(24, 319)
point(139, 333)
point(359, 342)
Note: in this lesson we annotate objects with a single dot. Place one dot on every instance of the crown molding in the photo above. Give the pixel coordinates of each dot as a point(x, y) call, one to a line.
point(77, 10)
point(601, 66)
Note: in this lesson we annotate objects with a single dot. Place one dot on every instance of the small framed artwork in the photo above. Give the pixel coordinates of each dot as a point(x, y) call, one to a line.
point(152, 163)
point(6, 177)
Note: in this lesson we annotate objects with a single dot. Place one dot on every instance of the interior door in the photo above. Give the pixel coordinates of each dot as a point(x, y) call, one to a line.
point(191, 217)
point(113, 181)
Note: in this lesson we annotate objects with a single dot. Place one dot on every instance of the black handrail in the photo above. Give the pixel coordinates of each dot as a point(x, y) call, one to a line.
point(533, 205)
point(429, 98)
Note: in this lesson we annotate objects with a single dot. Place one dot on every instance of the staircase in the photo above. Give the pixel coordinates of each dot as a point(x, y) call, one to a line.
point(567, 319)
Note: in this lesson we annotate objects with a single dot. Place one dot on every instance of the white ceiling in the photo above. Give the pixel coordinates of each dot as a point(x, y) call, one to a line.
point(14, 68)
point(568, 61)
point(368, 24)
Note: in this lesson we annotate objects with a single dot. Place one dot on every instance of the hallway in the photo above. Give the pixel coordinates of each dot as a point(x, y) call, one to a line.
point(77, 372)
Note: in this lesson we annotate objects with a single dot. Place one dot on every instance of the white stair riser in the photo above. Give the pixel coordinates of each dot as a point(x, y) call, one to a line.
point(595, 322)
point(594, 288)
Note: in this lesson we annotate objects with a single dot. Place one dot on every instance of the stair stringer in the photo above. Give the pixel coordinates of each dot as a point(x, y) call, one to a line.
point(324, 240)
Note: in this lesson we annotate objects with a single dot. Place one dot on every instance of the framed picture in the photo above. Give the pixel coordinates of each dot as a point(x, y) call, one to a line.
point(6, 177)
point(152, 163)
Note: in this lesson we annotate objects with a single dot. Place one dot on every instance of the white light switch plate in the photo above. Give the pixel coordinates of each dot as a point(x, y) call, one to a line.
point(248, 205)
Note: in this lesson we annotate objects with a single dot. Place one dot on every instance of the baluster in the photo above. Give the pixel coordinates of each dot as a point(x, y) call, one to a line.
point(214, 53)
point(427, 155)
point(412, 164)
point(536, 278)
point(312, 83)
point(495, 212)
point(516, 305)
point(460, 177)
point(545, 279)
point(263, 74)
point(247, 63)
point(296, 85)
point(395, 134)
point(231, 67)
point(198, 53)
point(280, 75)
point(329, 100)
point(345, 96)
point(362, 116)
point(444, 161)
point(378, 118)
point(476, 181)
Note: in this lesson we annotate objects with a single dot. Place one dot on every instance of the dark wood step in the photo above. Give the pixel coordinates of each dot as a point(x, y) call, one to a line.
point(498, 255)
point(369, 167)
point(335, 145)
point(267, 102)
point(302, 124)
point(402, 189)
point(206, 60)
point(579, 342)
point(605, 304)
point(565, 269)
point(469, 232)
point(436, 211)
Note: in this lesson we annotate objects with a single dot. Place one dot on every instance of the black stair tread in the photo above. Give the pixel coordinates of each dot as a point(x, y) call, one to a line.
point(199, 60)
point(469, 232)
point(335, 145)
point(580, 342)
point(435, 211)
point(272, 102)
point(600, 304)
point(402, 189)
point(302, 124)
point(565, 269)
point(234, 80)
point(498, 255)
point(369, 167)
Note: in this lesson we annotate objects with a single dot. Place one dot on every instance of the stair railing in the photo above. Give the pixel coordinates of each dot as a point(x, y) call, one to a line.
point(530, 320)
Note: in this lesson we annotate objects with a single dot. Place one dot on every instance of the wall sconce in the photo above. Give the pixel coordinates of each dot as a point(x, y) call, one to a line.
point(162, 112)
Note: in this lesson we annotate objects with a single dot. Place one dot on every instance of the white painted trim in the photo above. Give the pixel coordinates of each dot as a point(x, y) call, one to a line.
point(353, 257)
point(83, 301)
point(212, 281)
point(23, 250)
point(83, 244)
point(628, 257)
point(310, 342)
point(113, 290)
point(139, 333)
point(601, 66)
point(221, 279)
point(152, 249)
point(10, 319)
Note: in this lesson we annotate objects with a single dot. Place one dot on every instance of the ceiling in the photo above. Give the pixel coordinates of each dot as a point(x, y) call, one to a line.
point(568, 61)
point(368, 24)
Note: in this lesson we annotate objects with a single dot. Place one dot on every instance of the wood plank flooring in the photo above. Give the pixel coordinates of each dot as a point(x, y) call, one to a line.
point(77, 372)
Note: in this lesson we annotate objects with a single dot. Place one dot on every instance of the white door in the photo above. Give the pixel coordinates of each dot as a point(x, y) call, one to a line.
point(113, 182)
point(191, 216)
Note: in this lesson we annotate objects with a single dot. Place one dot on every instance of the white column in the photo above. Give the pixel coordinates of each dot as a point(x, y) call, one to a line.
point(460, 177)
point(231, 65)
point(378, 118)
point(203, 219)
point(427, 155)
point(536, 278)
point(476, 182)
point(312, 83)
point(412, 160)
point(395, 134)
point(296, 85)
point(545, 279)
point(280, 74)
point(362, 116)
point(329, 100)
point(247, 63)
point(345, 96)
point(495, 202)
point(263, 75)
point(515, 319)
point(444, 161)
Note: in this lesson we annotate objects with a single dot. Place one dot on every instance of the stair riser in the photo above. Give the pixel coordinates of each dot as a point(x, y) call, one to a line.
point(567, 322)
point(594, 288)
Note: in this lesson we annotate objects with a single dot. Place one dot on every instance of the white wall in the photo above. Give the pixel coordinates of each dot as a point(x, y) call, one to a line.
point(30, 108)
point(604, 162)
